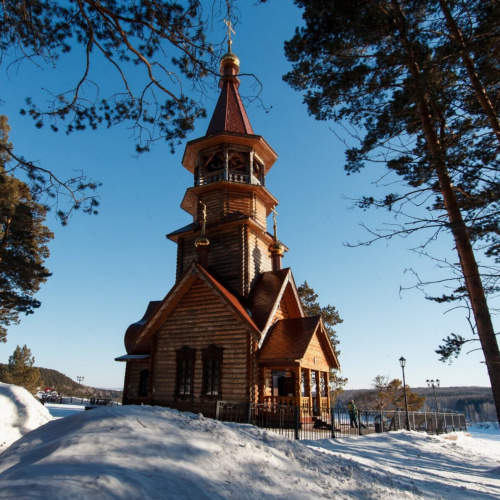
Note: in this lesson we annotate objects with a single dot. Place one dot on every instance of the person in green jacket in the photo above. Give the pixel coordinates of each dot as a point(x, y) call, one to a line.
point(353, 413)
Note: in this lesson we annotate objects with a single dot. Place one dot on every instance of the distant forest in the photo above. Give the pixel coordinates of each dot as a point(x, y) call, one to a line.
point(68, 387)
point(476, 402)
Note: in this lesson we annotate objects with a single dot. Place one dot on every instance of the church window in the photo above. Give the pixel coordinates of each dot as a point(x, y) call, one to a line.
point(185, 371)
point(212, 371)
point(143, 383)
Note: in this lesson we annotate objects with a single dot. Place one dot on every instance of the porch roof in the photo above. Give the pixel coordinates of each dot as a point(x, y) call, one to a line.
point(289, 339)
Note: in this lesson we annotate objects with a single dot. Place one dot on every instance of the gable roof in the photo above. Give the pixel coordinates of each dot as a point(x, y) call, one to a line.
point(293, 337)
point(267, 293)
point(140, 337)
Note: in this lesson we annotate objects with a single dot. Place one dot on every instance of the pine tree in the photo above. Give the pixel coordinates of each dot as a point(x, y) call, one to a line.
point(23, 245)
point(330, 317)
point(20, 370)
point(395, 68)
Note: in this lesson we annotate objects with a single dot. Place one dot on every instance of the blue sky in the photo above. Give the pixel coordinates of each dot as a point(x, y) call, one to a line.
point(107, 268)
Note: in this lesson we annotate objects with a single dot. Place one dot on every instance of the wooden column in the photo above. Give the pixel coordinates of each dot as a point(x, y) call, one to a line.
point(327, 377)
point(307, 383)
point(318, 389)
point(250, 167)
point(298, 392)
point(226, 164)
point(262, 384)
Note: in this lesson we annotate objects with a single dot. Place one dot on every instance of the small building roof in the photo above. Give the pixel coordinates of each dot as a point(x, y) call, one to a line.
point(288, 341)
point(132, 357)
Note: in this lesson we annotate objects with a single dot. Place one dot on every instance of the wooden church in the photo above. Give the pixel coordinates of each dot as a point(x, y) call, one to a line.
point(232, 328)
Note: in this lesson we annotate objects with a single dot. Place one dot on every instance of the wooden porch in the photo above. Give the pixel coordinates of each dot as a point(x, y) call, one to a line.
point(294, 386)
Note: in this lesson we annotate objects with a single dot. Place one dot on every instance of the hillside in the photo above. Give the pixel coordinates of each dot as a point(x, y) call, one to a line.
point(476, 402)
point(65, 386)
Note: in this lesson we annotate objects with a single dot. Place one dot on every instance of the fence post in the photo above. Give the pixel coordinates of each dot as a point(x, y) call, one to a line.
point(249, 413)
point(332, 419)
point(359, 424)
point(297, 421)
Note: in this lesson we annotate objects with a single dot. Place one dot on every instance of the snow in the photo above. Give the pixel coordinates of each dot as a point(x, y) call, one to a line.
point(20, 413)
point(144, 452)
point(63, 410)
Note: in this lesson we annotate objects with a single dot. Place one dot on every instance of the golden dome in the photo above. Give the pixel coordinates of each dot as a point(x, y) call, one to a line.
point(202, 241)
point(276, 248)
point(229, 60)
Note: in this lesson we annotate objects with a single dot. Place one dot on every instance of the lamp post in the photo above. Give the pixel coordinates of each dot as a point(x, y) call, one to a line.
point(434, 384)
point(80, 380)
point(402, 362)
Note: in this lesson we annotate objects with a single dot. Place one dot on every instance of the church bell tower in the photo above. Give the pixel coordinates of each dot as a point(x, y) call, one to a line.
point(229, 202)
point(232, 328)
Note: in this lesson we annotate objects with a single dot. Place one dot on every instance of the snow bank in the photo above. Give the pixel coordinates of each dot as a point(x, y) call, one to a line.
point(20, 413)
point(155, 453)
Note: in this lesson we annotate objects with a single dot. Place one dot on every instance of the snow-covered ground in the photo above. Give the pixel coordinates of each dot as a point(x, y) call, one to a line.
point(134, 452)
point(63, 410)
point(19, 414)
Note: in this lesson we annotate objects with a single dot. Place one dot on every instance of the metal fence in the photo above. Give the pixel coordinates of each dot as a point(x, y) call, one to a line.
point(304, 422)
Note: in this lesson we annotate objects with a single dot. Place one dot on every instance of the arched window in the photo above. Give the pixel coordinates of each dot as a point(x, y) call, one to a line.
point(212, 371)
point(185, 371)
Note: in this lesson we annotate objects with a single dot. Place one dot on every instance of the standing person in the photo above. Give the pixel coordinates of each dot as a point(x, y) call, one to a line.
point(353, 413)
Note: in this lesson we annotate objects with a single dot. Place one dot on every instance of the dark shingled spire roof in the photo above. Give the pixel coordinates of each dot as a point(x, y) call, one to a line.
point(229, 114)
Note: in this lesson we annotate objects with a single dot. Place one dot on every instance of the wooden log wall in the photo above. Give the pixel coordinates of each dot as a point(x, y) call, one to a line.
point(202, 319)
point(259, 258)
point(237, 256)
point(315, 358)
point(133, 369)
point(215, 207)
point(260, 211)
point(232, 199)
point(237, 200)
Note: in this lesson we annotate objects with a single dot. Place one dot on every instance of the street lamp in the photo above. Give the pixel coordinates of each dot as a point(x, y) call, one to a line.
point(434, 384)
point(80, 380)
point(402, 362)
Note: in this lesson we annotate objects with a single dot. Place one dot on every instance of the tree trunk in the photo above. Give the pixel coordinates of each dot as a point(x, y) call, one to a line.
point(470, 269)
point(474, 285)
